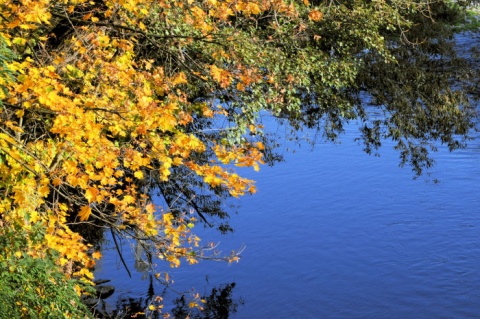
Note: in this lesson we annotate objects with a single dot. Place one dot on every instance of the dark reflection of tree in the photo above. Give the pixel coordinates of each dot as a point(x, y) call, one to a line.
point(129, 307)
point(219, 305)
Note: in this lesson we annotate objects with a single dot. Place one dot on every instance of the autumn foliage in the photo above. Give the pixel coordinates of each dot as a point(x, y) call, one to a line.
point(91, 122)
point(106, 102)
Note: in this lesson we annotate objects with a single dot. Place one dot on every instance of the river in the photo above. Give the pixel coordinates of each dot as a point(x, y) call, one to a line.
point(334, 233)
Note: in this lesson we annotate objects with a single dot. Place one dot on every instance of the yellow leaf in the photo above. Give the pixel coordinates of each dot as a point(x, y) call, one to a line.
point(91, 194)
point(138, 174)
point(14, 24)
point(167, 218)
point(44, 191)
point(223, 77)
point(87, 16)
point(180, 79)
point(129, 199)
point(315, 15)
point(207, 112)
point(150, 208)
point(84, 213)
point(34, 217)
point(19, 113)
point(97, 255)
point(118, 173)
point(56, 181)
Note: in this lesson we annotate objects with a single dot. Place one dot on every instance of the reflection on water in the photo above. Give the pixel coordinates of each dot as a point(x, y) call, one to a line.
point(219, 305)
point(335, 233)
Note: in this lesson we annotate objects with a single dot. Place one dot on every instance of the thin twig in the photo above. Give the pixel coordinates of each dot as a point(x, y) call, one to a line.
point(120, 253)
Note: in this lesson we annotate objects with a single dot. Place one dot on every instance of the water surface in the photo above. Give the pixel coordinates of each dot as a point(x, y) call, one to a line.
point(335, 233)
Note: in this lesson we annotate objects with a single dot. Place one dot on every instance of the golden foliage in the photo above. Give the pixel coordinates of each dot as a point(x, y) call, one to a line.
point(87, 121)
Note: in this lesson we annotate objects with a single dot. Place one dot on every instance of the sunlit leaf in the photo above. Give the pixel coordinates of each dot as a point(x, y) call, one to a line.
point(84, 213)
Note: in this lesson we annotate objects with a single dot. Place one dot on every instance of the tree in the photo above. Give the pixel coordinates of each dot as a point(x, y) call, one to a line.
point(107, 103)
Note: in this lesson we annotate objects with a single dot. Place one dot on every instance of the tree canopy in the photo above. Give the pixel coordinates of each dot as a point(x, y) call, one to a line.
point(106, 104)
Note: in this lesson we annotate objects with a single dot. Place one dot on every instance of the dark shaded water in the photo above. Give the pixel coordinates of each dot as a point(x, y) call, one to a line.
point(335, 233)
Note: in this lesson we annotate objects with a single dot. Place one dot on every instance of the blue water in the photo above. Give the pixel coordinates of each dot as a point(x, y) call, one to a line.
point(334, 233)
